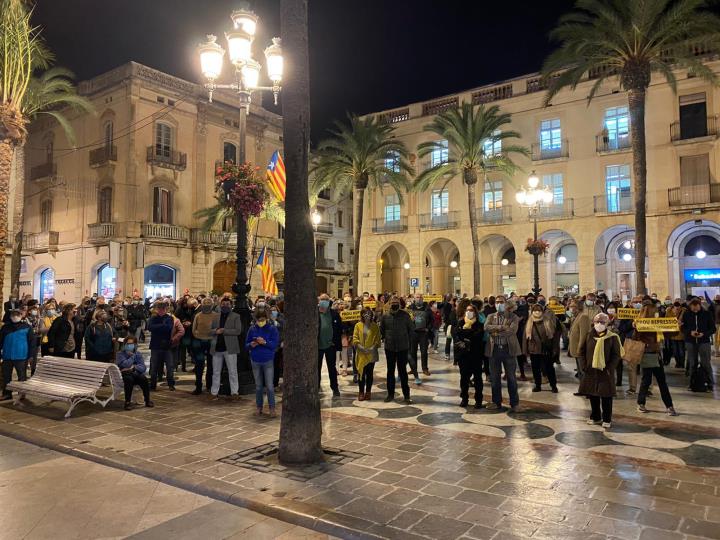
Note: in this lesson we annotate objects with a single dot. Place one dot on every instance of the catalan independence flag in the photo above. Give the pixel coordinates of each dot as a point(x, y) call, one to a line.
point(276, 176)
point(268, 281)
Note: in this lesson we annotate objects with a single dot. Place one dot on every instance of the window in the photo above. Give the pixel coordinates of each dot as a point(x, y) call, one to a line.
point(49, 152)
point(439, 203)
point(228, 224)
point(616, 128)
point(392, 208)
point(694, 170)
point(339, 218)
point(550, 134)
point(105, 205)
point(320, 250)
point(281, 232)
point(554, 182)
point(439, 155)
point(229, 152)
point(108, 134)
point(47, 284)
point(45, 215)
point(341, 248)
point(492, 198)
point(617, 188)
point(693, 116)
point(492, 146)
point(163, 140)
point(162, 205)
point(392, 161)
point(106, 281)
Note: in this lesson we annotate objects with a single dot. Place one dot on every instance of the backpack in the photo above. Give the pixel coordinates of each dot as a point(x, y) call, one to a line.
point(698, 380)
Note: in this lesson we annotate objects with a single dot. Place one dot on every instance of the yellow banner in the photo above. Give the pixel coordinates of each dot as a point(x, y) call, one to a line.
point(557, 309)
point(657, 324)
point(433, 298)
point(350, 315)
point(627, 313)
point(372, 304)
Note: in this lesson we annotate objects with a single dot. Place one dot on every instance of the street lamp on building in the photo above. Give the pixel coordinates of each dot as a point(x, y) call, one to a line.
point(453, 264)
point(316, 219)
point(406, 266)
point(532, 198)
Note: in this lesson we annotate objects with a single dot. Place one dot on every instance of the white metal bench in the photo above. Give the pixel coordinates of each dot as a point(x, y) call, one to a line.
point(67, 379)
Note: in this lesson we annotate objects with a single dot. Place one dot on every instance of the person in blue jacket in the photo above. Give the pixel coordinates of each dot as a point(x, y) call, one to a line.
point(17, 346)
point(262, 341)
point(132, 367)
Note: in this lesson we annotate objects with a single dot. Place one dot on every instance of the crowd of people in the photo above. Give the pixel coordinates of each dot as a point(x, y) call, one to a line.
point(490, 339)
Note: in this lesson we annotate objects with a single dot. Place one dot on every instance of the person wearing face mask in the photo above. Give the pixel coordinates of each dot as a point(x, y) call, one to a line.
point(423, 318)
point(581, 327)
point(468, 336)
point(677, 339)
point(32, 317)
point(12, 303)
point(17, 342)
point(278, 319)
point(202, 333)
point(366, 340)
point(539, 340)
point(225, 347)
point(132, 367)
point(137, 317)
point(186, 314)
point(61, 336)
point(396, 327)
point(329, 341)
point(698, 327)
point(99, 338)
point(600, 354)
point(48, 316)
point(261, 342)
point(503, 349)
point(161, 326)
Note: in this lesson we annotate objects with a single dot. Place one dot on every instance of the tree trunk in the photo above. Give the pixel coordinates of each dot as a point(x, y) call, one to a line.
point(471, 183)
point(18, 217)
point(300, 424)
point(636, 105)
point(6, 157)
point(359, 205)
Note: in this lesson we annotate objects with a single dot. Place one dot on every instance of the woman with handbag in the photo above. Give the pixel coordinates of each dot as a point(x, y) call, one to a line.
point(539, 339)
point(651, 362)
point(600, 354)
point(366, 340)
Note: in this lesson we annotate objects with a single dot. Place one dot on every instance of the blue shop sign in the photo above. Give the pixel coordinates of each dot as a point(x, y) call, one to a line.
point(704, 274)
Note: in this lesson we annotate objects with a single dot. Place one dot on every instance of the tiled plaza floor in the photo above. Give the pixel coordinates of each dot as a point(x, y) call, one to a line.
point(428, 470)
point(47, 495)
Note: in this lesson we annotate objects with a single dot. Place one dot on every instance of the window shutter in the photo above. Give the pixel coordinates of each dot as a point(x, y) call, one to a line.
point(695, 170)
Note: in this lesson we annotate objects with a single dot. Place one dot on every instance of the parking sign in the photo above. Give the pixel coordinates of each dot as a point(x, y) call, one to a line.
point(414, 282)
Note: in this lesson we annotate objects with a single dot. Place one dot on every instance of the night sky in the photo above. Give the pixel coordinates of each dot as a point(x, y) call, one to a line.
point(365, 55)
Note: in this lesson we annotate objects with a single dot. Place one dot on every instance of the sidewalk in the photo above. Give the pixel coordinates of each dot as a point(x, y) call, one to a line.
point(428, 470)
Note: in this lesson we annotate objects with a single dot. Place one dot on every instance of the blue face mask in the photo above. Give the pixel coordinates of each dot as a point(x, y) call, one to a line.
point(274, 314)
point(501, 308)
point(130, 347)
point(324, 304)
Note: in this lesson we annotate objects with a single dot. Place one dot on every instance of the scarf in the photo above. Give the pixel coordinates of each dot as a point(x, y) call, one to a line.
point(599, 352)
point(468, 323)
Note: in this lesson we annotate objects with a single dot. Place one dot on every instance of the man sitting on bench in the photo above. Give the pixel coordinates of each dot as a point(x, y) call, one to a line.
point(17, 343)
point(132, 367)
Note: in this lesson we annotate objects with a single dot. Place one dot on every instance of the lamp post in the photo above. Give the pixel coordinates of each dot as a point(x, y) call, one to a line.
point(532, 198)
point(247, 76)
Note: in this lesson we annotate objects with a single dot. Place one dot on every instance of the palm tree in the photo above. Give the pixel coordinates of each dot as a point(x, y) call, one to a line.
point(631, 40)
point(51, 93)
point(471, 134)
point(364, 155)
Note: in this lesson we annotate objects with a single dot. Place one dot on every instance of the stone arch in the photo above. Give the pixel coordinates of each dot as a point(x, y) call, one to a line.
point(689, 273)
point(496, 277)
point(614, 272)
point(560, 276)
point(391, 274)
point(440, 275)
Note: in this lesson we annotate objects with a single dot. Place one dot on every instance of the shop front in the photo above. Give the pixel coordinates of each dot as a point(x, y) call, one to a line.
point(702, 281)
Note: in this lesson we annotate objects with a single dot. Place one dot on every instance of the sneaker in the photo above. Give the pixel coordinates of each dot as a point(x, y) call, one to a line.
point(671, 411)
point(447, 357)
point(407, 401)
point(606, 425)
point(592, 422)
point(436, 351)
point(128, 406)
point(389, 399)
point(426, 372)
point(149, 404)
point(492, 406)
point(642, 409)
point(630, 392)
point(418, 381)
point(536, 389)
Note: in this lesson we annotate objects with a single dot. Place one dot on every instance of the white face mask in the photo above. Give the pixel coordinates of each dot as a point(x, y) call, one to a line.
point(470, 315)
point(15, 319)
point(599, 327)
point(611, 311)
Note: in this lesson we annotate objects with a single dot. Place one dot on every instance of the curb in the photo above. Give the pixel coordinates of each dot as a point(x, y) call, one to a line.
point(289, 511)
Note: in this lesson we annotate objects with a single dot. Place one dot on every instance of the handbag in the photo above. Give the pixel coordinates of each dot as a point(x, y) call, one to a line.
point(634, 350)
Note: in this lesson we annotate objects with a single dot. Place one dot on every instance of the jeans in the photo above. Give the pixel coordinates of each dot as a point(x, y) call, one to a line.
point(231, 363)
point(130, 379)
point(595, 403)
point(200, 351)
point(398, 358)
point(632, 369)
point(678, 352)
point(647, 375)
point(158, 358)
point(418, 339)
point(448, 345)
point(543, 363)
point(365, 382)
point(700, 352)
point(329, 355)
point(470, 368)
point(435, 338)
point(7, 369)
point(501, 358)
point(263, 374)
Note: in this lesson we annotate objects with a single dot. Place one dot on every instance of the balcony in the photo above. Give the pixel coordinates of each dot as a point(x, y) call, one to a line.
point(41, 242)
point(620, 202)
point(686, 131)
point(100, 233)
point(381, 226)
point(103, 156)
point(44, 171)
point(165, 231)
point(436, 222)
point(203, 237)
point(494, 216)
point(694, 195)
point(608, 145)
point(324, 228)
point(565, 209)
point(324, 264)
point(167, 159)
point(540, 152)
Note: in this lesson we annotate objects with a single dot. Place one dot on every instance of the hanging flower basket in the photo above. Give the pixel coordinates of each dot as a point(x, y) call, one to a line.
point(241, 188)
point(536, 247)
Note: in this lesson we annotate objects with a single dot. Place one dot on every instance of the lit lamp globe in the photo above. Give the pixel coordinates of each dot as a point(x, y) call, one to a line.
point(211, 58)
point(533, 180)
point(250, 74)
point(700, 254)
point(504, 262)
point(274, 57)
point(562, 259)
point(316, 218)
point(453, 264)
point(521, 197)
point(627, 257)
point(244, 20)
point(406, 266)
point(546, 196)
point(627, 244)
point(239, 46)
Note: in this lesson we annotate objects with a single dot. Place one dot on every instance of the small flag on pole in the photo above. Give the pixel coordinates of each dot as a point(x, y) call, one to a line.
point(268, 281)
point(276, 176)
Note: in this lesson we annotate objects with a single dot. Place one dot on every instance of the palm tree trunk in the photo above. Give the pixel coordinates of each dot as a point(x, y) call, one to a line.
point(18, 216)
point(474, 235)
point(359, 205)
point(6, 157)
point(300, 424)
point(636, 105)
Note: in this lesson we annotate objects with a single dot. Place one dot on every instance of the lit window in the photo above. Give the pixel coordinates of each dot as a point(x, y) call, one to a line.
point(163, 140)
point(162, 205)
point(392, 161)
point(392, 208)
point(439, 155)
point(550, 134)
point(617, 188)
point(229, 152)
point(492, 198)
point(439, 203)
point(554, 182)
point(492, 146)
point(617, 127)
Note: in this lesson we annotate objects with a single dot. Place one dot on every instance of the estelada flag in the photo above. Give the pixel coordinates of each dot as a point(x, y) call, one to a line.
point(276, 176)
point(268, 281)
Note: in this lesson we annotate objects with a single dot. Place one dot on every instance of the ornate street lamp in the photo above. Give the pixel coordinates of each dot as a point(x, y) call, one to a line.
point(532, 198)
